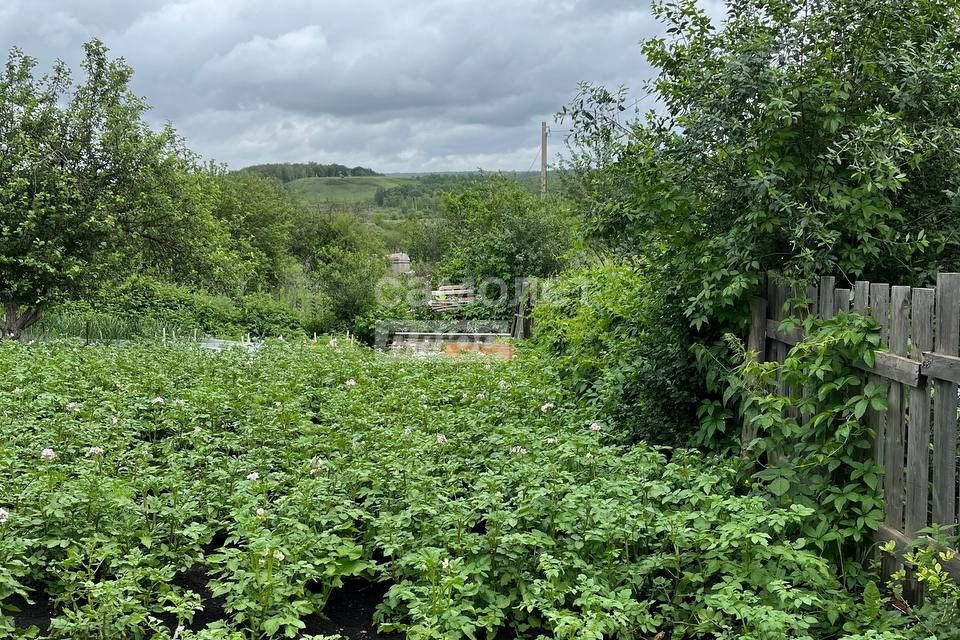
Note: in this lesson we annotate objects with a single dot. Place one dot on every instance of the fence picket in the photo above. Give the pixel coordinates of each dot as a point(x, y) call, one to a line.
point(918, 431)
point(878, 309)
point(842, 300)
point(861, 297)
point(945, 403)
point(918, 435)
point(894, 440)
point(827, 297)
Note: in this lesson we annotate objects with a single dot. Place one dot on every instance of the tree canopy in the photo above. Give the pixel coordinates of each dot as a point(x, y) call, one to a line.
point(810, 137)
point(80, 171)
point(289, 171)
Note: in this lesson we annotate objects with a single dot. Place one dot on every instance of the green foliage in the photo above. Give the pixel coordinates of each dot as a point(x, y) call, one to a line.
point(148, 307)
point(174, 306)
point(617, 340)
point(344, 258)
point(501, 231)
point(477, 490)
point(289, 171)
point(90, 193)
point(939, 614)
point(259, 216)
point(811, 445)
point(810, 138)
point(81, 174)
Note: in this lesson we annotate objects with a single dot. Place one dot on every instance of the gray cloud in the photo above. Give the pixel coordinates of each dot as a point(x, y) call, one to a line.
point(417, 86)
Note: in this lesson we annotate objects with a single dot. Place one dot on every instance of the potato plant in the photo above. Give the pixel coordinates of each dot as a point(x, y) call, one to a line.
point(144, 488)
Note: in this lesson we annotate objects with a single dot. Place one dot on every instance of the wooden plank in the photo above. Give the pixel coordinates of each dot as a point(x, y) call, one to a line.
point(880, 309)
point(842, 300)
point(757, 338)
point(879, 301)
point(895, 368)
point(813, 307)
point(827, 299)
point(779, 352)
point(918, 434)
point(888, 365)
point(941, 367)
point(899, 319)
point(904, 544)
point(782, 336)
point(861, 297)
point(945, 403)
point(918, 431)
point(894, 448)
point(756, 341)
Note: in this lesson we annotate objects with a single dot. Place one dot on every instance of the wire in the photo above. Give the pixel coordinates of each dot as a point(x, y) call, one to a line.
point(532, 162)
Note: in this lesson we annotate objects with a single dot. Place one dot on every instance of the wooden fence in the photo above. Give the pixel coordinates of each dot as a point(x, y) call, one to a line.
point(916, 437)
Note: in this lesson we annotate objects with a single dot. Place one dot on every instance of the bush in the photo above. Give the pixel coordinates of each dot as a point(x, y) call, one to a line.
point(478, 491)
point(620, 342)
point(173, 305)
point(264, 315)
point(147, 307)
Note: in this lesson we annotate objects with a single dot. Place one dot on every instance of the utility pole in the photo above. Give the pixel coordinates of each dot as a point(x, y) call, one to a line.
point(543, 160)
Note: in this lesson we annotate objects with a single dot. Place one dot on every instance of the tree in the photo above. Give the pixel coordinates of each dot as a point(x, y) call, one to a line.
point(81, 174)
point(499, 230)
point(809, 137)
point(259, 216)
point(345, 258)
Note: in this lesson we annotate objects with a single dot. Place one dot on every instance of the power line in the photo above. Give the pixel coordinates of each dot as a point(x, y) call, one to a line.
point(533, 162)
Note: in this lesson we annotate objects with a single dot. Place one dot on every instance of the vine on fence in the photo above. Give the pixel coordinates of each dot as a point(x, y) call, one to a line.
point(811, 444)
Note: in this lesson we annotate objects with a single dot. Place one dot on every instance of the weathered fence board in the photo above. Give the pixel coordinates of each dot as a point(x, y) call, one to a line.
point(918, 362)
point(894, 457)
point(918, 434)
point(945, 403)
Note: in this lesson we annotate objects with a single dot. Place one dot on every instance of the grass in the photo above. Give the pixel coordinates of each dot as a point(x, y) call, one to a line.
point(348, 190)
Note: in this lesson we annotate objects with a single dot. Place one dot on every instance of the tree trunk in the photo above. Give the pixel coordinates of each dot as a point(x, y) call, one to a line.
point(16, 319)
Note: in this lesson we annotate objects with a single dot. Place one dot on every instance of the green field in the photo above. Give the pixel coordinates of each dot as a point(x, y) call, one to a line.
point(361, 189)
point(348, 190)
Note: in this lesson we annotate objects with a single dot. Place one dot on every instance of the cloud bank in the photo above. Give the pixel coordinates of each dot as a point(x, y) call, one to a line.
point(429, 85)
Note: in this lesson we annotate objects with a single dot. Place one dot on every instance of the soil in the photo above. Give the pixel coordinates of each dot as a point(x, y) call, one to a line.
point(349, 612)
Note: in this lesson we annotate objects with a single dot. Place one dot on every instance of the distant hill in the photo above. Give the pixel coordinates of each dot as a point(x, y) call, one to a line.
point(349, 190)
point(395, 190)
point(290, 171)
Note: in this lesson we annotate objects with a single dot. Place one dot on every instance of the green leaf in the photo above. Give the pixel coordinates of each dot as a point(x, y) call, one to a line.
point(779, 487)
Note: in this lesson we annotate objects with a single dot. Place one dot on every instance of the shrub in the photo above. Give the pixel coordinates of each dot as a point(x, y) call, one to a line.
point(621, 343)
point(264, 315)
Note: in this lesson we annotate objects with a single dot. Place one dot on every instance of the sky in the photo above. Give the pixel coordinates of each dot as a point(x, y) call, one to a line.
point(397, 86)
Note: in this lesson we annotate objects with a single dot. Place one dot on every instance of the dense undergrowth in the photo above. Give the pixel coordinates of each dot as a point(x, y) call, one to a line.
point(490, 503)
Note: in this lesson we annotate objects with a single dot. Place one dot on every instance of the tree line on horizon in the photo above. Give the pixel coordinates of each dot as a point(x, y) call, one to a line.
point(290, 171)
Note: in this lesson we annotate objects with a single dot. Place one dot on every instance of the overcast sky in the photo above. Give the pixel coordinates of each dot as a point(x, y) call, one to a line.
point(415, 85)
